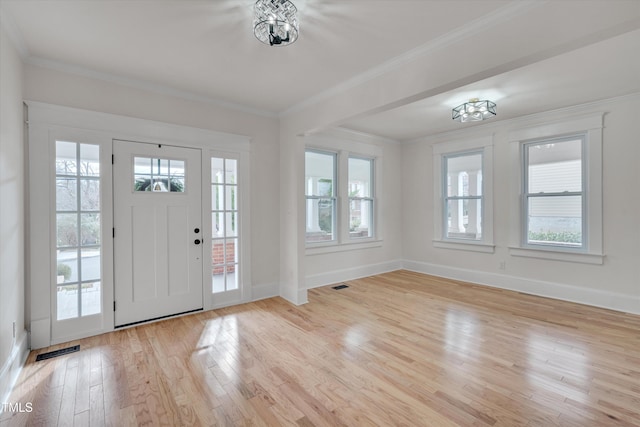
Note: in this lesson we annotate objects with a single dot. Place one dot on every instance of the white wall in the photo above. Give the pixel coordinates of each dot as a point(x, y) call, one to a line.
point(615, 284)
point(72, 90)
point(12, 223)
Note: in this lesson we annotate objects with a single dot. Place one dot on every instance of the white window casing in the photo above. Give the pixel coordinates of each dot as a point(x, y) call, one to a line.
point(344, 150)
point(588, 129)
point(481, 240)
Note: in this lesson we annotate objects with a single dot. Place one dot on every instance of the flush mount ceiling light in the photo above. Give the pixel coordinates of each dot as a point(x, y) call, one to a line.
point(474, 111)
point(275, 22)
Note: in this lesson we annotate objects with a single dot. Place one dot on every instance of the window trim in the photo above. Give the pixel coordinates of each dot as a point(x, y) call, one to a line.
point(225, 239)
point(441, 151)
point(344, 145)
point(371, 198)
point(447, 198)
point(591, 126)
point(524, 208)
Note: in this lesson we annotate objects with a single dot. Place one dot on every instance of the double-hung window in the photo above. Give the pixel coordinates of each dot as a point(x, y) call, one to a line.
point(360, 197)
point(463, 194)
point(554, 197)
point(339, 199)
point(558, 188)
point(320, 194)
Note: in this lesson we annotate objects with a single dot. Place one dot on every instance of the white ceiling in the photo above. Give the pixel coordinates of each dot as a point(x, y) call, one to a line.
point(207, 48)
point(602, 70)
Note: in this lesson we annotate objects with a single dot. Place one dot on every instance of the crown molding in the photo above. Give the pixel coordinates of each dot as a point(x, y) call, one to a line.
point(8, 24)
point(502, 14)
point(144, 85)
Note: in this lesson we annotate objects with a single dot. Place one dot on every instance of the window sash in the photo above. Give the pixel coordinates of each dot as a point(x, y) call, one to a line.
point(369, 198)
point(446, 198)
point(526, 195)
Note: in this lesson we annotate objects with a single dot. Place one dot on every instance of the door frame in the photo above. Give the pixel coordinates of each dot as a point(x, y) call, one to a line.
point(193, 169)
point(49, 121)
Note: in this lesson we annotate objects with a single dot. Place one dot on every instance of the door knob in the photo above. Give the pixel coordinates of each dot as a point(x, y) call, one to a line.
point(197, 241)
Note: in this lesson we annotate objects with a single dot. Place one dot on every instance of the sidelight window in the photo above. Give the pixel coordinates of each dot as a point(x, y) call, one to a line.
point(78, 226)
point(225, 226)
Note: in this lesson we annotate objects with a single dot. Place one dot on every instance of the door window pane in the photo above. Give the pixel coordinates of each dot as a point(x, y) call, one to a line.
point(67, 301)
point(91, 298)
point(66, 158)
point(89, 160)
point(66, 194)
point(90, 229)
point(89, 195)
point(90, 263)
point(67, 268)
point(158, 175)
point(67, 229)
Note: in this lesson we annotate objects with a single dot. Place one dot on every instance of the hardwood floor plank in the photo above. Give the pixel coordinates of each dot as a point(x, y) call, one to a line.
point(400, 348)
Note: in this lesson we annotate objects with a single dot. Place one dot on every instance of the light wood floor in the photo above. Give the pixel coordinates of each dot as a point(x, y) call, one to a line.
point(396, 349)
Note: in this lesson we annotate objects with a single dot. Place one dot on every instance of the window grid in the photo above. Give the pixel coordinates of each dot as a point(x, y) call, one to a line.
point(77, 230)
point(225, 226)
point(159, 176)
point(357, 218)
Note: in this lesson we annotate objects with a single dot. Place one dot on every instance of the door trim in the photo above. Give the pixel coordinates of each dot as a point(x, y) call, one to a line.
point(46, 120)
point(131, 309)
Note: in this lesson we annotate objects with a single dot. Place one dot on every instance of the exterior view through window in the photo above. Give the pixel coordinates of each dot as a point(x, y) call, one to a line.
point(78, 249)
point(225, 230)
point(158, 175)
point(463, 196)
point(360, 197)
point(320, 188)
point(554, 192)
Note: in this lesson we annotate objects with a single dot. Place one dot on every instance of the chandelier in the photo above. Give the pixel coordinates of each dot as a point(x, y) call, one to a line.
point(275, 22)
point(474, 111)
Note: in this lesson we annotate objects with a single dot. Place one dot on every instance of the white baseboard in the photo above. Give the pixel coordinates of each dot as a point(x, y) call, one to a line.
point(338, 276)
point(264, 291)
point(594, 297)
point(40, 333)
point(12, 367)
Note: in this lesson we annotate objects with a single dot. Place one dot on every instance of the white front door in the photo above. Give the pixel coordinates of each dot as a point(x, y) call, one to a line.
point(157, 231)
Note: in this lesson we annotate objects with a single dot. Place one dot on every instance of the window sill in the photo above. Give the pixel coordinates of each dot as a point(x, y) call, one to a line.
point(464, 246)
point(557, 255)
point(342, 247)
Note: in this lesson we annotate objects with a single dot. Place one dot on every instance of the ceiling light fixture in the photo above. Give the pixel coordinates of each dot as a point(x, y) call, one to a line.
point(275, 22)
point(474, 111)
